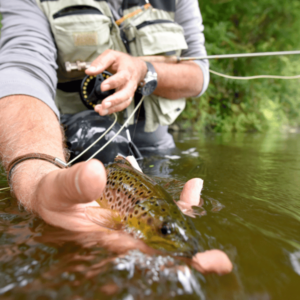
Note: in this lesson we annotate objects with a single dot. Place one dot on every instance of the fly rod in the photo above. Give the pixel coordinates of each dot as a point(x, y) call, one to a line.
point(80, 66)
point(176, 59)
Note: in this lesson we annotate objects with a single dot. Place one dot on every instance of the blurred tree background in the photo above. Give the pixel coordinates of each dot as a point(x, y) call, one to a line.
point(238, 26)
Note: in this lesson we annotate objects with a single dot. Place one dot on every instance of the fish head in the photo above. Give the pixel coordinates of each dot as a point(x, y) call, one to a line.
point(164, 227)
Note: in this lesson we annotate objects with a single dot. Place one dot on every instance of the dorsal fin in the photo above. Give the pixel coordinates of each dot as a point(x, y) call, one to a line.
point(122, 160)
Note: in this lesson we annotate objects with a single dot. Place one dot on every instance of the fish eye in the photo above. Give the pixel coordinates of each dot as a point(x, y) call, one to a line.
point(166, 229)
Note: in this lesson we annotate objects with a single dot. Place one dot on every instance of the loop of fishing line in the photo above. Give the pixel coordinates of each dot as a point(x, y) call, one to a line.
point(104, 146)
point(122, 127)
point(89, 147)
point(254, 77)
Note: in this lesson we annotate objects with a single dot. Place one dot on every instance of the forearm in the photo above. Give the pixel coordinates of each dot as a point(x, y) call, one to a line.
point(28, 125)
point(178, 80)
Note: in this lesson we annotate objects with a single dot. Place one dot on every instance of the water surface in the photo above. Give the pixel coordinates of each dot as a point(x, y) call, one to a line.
point(251, 211)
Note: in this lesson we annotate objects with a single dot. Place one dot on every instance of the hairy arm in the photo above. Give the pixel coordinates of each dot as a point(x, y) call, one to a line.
point(178, 80)
point(28, 125)
point(58, 196)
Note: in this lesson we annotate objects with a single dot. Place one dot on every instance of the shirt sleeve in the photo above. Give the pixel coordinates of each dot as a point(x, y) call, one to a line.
point(189, 17)
point(27, 52)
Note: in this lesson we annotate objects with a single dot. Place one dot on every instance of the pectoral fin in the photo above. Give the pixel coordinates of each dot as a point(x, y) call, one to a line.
point(104, 217)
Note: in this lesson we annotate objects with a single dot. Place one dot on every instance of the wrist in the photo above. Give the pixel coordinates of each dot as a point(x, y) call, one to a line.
point(25, 178)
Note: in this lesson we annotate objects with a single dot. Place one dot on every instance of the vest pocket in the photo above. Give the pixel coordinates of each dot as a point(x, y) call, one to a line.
point(159, 37)
point(81, 34)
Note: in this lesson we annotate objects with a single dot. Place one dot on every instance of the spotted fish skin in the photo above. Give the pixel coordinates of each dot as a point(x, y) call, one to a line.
point(147, 210)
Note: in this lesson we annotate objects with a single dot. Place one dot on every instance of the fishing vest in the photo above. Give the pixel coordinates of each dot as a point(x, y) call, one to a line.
point(83, 29)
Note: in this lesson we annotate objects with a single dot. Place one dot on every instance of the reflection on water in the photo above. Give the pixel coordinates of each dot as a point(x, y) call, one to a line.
point(251, 211)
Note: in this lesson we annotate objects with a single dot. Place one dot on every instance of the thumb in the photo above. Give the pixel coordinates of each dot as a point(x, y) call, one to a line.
point(81, 183)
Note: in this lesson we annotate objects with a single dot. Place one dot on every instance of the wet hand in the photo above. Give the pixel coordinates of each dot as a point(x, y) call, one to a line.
point(128, 72)
point(63, 195)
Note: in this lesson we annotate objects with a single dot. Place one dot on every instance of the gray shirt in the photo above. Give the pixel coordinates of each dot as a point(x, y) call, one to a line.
point(28, 53)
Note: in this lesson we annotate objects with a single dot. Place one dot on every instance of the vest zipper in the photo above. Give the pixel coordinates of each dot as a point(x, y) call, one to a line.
point(147, 23)
point(77, 10)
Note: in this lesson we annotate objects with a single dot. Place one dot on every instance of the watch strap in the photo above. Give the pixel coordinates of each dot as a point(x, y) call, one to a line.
point(149, 84)
point(150, 69)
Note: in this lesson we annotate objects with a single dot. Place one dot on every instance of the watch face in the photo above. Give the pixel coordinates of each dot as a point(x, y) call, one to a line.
point(149, 87)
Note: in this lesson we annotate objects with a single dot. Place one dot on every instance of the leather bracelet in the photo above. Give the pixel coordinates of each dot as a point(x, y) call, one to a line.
point(54, 160)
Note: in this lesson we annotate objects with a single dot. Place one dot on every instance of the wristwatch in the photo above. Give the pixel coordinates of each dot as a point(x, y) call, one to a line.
point(149, 84)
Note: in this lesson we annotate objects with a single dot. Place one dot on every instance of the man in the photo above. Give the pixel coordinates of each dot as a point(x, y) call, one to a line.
point(29, 116)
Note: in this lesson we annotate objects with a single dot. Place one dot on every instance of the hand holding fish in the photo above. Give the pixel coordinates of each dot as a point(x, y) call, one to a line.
point(86, 181)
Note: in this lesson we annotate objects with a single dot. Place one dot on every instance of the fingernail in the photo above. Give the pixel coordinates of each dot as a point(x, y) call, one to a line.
point(107, 104)
point(92, 69)
point(97, 108)
point(104, 112)
point(105, 86)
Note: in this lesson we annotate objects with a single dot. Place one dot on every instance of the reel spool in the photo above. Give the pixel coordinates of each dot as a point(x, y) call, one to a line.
point(90, 91)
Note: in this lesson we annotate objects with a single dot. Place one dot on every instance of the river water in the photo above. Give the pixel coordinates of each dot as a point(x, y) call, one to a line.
point(251, 211)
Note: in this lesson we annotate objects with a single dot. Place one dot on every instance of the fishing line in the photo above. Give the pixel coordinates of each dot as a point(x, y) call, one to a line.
point(254, 77)
point(122, 127)
point(88, 148)
point(176, 59)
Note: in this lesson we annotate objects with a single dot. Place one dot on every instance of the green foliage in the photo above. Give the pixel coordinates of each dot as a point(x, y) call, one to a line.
point(237, 26)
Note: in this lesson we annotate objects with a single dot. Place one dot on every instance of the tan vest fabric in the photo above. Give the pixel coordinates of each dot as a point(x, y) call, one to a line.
point(83, 37)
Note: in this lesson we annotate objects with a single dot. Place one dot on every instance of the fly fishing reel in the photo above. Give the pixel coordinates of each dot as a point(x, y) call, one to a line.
point(91, 94)
point(90, 90)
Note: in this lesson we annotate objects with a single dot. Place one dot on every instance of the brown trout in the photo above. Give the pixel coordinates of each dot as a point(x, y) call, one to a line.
point(134, 202)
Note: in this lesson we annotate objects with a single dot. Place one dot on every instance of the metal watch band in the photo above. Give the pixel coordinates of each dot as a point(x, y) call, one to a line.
point(151, 69)
point(149, 84)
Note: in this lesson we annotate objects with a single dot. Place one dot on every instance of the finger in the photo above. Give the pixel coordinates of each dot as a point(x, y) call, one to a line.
point(212, 261)
point(102, 62)
point(122, 94)
point(82, 183)
point(191, 191)
point(85, 183)
point(103, 111)
point(118, 80)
